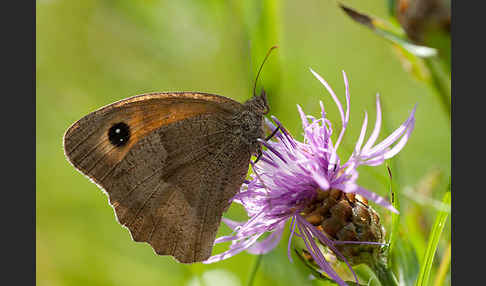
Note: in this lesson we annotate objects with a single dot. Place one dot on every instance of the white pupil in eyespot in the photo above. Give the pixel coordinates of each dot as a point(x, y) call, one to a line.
point(117, 131)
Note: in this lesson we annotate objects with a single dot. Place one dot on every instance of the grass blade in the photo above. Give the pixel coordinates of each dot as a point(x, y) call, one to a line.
point(444, 266)
point(437, 229)
point(389, 32)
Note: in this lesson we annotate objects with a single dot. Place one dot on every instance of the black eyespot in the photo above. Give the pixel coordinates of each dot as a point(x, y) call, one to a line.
point(119, 134)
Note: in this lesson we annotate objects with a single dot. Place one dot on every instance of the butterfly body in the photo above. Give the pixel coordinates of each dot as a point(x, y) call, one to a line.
point(170, 163)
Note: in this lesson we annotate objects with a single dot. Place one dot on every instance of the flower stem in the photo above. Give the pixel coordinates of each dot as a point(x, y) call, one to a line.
point(255, 269)
point(383, 273)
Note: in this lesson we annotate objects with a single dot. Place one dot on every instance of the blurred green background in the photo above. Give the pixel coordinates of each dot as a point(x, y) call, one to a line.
point(91, 53)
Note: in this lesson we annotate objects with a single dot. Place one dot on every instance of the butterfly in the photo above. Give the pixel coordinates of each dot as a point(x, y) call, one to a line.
point(170, 163)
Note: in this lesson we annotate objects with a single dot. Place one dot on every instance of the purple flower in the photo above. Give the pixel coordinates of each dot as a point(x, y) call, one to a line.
point(290, 174)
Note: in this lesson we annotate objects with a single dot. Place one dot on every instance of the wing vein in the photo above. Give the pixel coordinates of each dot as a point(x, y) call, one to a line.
point(144, 204)
point(206, 206)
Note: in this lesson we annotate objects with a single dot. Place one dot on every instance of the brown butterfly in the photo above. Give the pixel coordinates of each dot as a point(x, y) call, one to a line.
point(170, 163)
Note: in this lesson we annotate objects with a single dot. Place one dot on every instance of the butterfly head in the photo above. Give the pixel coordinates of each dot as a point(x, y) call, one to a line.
point(258, 104)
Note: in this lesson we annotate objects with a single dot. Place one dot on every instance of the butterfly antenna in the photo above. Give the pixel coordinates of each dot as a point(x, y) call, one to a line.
point(261, 67)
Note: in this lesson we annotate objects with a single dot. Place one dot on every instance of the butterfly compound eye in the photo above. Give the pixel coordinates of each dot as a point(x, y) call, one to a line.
point(119, 134)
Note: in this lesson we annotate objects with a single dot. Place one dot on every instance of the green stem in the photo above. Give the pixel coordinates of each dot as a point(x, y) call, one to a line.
point(254, 270)
point(383, 273)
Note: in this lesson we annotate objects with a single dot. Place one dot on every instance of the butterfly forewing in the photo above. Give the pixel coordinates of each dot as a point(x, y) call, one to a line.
point(168, 163)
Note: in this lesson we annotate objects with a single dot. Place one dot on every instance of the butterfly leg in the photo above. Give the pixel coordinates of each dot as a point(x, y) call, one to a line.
point(273, 133)
point(259, 151)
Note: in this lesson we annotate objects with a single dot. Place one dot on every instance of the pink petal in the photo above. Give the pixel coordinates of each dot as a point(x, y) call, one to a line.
point(376, 130)
point(231, 223)
point(346, 120)
point(269, 243)
point(234, 249)
point(395, 135)
point(303, 117)
point(357, 148)
point(292, 232)
point(333, 95)
point(398, 147)
point(320, 180)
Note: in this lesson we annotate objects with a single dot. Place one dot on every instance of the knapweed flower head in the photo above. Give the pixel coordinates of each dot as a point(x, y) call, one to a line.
point(292, 176)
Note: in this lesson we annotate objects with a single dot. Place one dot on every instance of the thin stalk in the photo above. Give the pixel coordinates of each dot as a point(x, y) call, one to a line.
point(395, 223)
point(256, 265)
point(434, 237)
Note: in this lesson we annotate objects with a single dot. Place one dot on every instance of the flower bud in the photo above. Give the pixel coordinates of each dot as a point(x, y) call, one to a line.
point(347, 217)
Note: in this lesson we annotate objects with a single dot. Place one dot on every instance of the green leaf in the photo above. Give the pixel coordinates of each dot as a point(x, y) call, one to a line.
point(420, 51)
point(388, 31)
point(435, 234)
